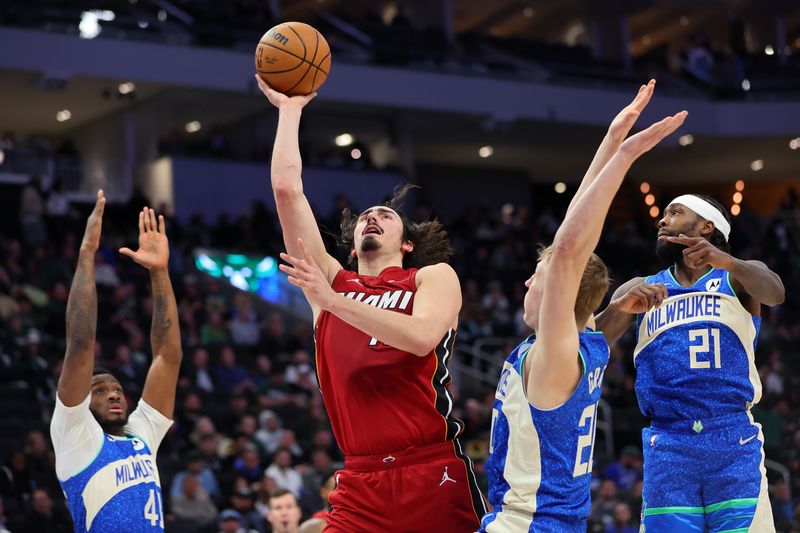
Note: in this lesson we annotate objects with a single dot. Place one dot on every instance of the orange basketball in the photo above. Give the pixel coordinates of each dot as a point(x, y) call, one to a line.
point(293, 58)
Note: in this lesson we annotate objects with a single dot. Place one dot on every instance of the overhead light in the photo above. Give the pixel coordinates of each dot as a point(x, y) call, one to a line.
point(736, 209)
point(89, 26)
point(646, 40)
point(769, 50)
point(684, 21)
point(654, 211)
point(686, 140)
point(561, 187)
point(528, 12)
point(486, 151)
point(757, 165)
point(193, 126)
point(644, 188)
point(344, 139)
point(649, 199)
point(794, 144)
point(162, 15)
point(739, 185)
point(63, 115)
point(737, 197)
point(143, 24)
point(745, 84)
point(126, 88)
point(355, 153)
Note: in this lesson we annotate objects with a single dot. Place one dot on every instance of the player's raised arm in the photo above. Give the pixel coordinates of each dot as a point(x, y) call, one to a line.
point(617, 131)
point(294, 212)
point(153, 254)
point(554, 370)
point(76, 376)
point(436, 305)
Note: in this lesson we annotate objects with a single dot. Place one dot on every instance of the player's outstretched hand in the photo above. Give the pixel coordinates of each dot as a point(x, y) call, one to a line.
point(306, 274)
point(699, 253)
point(623, 122)
point(636, 145)
point(641, 298)
point(153, 252)
point(280, 100)
point(94, 225)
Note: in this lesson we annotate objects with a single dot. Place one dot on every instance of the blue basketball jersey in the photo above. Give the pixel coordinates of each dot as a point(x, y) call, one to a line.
point(540, 461)
point(695, 354)
point(119, 491)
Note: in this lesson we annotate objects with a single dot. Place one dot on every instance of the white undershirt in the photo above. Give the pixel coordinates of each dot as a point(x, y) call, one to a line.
point(77, 436)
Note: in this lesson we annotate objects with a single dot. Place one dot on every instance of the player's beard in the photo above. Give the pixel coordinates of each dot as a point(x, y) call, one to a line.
point(107, 424)
point(370, 245)
point(669, 252)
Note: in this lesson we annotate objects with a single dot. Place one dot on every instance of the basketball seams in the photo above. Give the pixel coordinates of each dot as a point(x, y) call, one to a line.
point(302, 60)
point(302, 42)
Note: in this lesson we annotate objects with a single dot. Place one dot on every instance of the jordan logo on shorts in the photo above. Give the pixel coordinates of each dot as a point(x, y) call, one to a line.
point(446, 477)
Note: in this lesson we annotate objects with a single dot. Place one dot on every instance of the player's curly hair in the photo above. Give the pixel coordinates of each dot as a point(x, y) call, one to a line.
point(431, 243)
point(717, 238)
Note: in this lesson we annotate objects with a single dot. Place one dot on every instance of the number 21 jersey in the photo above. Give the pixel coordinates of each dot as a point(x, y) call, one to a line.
point(695, 354)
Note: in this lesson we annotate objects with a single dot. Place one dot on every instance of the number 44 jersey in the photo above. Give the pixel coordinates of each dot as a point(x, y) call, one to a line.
point(540, 460)
point(695, 353)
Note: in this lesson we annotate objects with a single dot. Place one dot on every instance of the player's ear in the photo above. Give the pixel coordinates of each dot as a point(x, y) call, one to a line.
point(353, 252)
point(407, 247)
point(707, 228)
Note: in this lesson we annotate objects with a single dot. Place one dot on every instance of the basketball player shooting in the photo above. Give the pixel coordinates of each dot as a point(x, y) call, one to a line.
point(384, 335)
point(545, 408)
point(105, 459)
point(696, 375)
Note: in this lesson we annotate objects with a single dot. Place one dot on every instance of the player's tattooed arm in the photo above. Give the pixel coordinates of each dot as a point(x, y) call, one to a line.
point(76, 376)
point(153, 254)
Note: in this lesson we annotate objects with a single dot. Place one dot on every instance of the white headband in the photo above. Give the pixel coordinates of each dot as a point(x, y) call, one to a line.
point(705, 210)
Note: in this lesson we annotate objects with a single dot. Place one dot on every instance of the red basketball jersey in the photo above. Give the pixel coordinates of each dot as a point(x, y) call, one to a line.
point(381, 399)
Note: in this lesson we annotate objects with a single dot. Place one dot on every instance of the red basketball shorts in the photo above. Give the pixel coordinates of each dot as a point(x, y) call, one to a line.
point(426, 489)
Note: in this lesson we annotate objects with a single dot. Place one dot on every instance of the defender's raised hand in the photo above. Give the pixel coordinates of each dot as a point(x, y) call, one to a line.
point(153, 252)
point(94, 225)
point(636, 145)
point(623, 122)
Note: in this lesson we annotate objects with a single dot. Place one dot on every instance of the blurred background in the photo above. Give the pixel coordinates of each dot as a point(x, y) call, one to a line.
point(493, 108)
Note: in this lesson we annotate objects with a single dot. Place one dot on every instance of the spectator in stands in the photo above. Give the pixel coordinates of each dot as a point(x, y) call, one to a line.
point(282, 472)
point(271, 431)
point(231, 522)
point(213, 331)
point(263, 489)
point(248, 464)
point(284, 512)
point(46, 516)
point(782, 511)
point(623, 520)
point(229, 375)
point(242, 502)
point(244, 326)
point(627, 470)
point(31, 212)
point(604, 503)
point(322, 467)
point(193, 505)
point(196, 467)
point(199, 372)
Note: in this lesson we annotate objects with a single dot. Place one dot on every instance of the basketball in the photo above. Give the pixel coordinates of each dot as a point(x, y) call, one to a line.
point(293, 58)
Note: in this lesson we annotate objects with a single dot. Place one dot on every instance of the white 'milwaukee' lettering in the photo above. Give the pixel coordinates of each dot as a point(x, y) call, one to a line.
point(388, 300)
point(114, 478)
point(702, 305)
